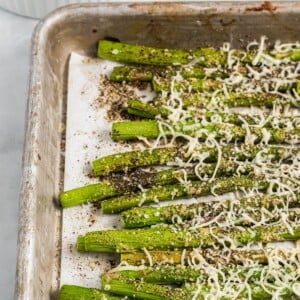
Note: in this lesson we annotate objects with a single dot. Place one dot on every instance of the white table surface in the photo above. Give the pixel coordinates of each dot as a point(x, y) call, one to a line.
point(15, 37)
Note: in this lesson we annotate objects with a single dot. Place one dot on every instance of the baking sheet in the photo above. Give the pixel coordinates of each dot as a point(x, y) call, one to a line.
point(78, 28)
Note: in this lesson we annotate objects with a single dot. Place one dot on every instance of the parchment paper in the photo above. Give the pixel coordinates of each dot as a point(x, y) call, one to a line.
point(87, 138)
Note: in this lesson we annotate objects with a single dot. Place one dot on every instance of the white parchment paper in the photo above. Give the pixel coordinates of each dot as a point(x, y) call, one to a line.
point(87, 138)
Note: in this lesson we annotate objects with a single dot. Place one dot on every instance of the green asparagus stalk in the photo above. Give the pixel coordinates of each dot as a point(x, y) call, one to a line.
point(73, 292)
point(120, 184)
point(143, 290)
point(145, 110)
point(160, 84)
point(212, 256)
point(146, 216)
point(149, 111)
point(178, 275)
point(88, 193)
point(134, 129)
point(233, 100)
point(150, 129)
point(169, 238)
point(134, 159)
point(137, 258)
point(207, 57)
point(117, 185)
point(135, 73)
point(118, 285)
point(161, 156)
point(146, 73)
point(127, 53)
point(171, 192)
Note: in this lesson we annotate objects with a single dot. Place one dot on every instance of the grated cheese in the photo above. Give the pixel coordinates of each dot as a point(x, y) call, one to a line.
point(149, 257)
point(269, 72)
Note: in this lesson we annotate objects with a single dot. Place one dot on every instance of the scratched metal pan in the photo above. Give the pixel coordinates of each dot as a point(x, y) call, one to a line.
point(77, 28)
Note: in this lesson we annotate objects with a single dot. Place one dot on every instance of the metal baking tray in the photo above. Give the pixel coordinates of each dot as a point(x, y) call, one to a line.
point(78, 28)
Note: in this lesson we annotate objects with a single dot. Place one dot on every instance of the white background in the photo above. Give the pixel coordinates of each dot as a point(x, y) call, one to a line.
point(15, 36)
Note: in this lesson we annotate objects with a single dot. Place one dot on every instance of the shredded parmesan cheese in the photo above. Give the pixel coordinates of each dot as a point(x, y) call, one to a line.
point(267, 73)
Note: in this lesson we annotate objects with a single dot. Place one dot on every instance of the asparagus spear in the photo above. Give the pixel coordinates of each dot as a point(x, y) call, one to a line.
point(146, 73)
point(145, 110)
point(137, 258)
point(212, 256)
point(207, 57)
point(146, 216)
point(178, 275)
point(169, 238)
point(118, 285)
point(73, 292)
point(134, 159)
point(162, 156)
point(121, 184)
point(136, 54)
point(233, 100)
point(160, 84)
point(149, 111)
point(142, 290)
point(88, 193)
point(150, 129)
point(171, 192)
point(134, 73)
